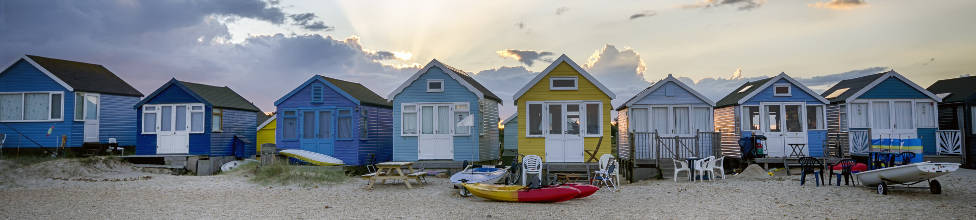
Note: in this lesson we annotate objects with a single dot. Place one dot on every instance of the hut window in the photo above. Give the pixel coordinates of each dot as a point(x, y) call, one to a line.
point(594, 123)
point(535, 120)
point(926, 114)
point(196, 118)
point(562, 83)
point(363, 128)
point(701, 116)
point(781, 89)
point(34, 106)
point(462, 120)
point(815, 117)
point(435, 85)
point(290, 126)
point(638, 118)
point(859, 115)
point(408, 121)
point(902, 115)
point(317, 91)
point(752, 118)
point(345, 125)
point(181, 118)
point(218, 120)
point(149, 114)
point(881, 114)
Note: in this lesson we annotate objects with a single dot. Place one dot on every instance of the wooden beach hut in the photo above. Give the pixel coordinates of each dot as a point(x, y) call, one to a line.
point(338, 118)
point(510, 134)
point(956, 112)
point(563, 112)
point(266, 130)
point(191, 119)
point(879, 106)
point(666, 109)
point(442, 113)
point(44, 99)
point(788, 113)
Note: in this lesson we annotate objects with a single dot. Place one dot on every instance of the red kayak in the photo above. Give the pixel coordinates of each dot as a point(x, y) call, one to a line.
point(521, 193)
point(585, 189)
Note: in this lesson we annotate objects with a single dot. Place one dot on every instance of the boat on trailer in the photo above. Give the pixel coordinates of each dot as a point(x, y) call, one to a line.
point(478, 174)
point(906, 175)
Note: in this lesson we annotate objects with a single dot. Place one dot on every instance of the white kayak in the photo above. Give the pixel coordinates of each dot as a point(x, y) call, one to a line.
point(478, 175)
point(234, 164)
point(905, 174)
point(312, 157)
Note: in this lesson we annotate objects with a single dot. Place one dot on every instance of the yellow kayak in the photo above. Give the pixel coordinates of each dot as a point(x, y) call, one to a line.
point(521, 193)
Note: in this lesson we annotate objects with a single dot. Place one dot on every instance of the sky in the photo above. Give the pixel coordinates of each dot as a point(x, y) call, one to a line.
point(265, 48)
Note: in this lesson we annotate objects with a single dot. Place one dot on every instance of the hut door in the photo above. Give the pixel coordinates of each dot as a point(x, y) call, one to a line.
point(435, 140)
point(564, 141)
point(318, 132)
point(783, 125)
point(173, 135)
point(90, 111)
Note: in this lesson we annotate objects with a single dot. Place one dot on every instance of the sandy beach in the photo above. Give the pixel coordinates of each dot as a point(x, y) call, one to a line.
point(113, 190)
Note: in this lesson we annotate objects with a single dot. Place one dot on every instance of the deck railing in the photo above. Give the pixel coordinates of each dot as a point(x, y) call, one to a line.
point(651, 145)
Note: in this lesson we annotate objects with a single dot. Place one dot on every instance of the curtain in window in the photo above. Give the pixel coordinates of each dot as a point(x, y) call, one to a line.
point(443, 120)
point(462, 122)
point(881, 115)
point(409, 122)
point(659, 120)
point(638, 118)
point(181, 118)
point(701, 117)
point(37, 106)
point(11, 107)
point(681, 121)
point(593, 114)
point(196, 118)
point(903, 115)
point(814, 117)
point(325, 124)
point(166, 118)
point(427, 119)
point(926, 115)
point(149, 122)
point(290, 124)
point(345, 124)
point(859, 115)
point(535, 119)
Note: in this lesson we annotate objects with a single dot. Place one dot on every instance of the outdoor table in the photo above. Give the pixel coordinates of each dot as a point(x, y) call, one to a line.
point(691, 166)
point(392, 171)
point(797, 150)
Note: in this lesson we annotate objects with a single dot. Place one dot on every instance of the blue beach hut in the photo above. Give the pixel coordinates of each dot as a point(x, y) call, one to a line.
point(338, 118)
point(442, 113)
point(43, 99)
point(780, 108)
point(184, 118)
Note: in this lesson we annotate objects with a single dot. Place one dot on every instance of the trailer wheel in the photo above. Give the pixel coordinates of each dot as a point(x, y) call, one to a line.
point(464, 192)
point(935, 187)
point(883, 188)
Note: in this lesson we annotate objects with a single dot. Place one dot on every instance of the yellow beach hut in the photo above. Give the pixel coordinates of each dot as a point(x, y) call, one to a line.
point(266, 132)
point(563, 113)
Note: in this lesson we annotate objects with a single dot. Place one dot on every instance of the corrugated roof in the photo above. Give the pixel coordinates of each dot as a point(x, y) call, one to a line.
point(959, 89)
point(741, 92)
point(221, 97)
point(852, 85)
point(358, 91)
point(86, 77)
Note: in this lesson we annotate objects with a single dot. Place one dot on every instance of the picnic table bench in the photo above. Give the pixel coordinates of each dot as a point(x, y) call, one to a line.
point(394, 171)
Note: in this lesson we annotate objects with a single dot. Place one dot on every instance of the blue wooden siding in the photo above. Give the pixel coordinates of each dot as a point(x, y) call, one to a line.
point(670, 94)
point(796, 95)
point(117, 119)
point(172, 95)
point(23, 77)
point(511, 135)
point(465, 147)
point(379, 141)
point(893, 88)
point(928, 140)
point(815, 142)
point(345, 150)
point(236, 123)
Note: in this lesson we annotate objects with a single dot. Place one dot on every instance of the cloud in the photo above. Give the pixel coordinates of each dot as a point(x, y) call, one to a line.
point(149, 42)
point(307, 21)
point(621, 70)
point(737, 74)
point(561, 10)
point(743, 5)
point(642, 14)
point(718, 88)
point(840, 4)
point(528, 57)
point(504, 82)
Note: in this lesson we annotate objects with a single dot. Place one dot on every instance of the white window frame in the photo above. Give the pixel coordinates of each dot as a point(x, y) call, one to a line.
point(891, 112)
point(142, 127)
point(575, 82)
point(543, 121)
point(789, 90)
point(416, 111)
point(84, 107)
point(850, 115)
point(823, 117)
point(441, 81)
point(454, 112)
point(935, 113)
point(23, 108)
point(745, 118)
point(189, 117)
point(585, 119)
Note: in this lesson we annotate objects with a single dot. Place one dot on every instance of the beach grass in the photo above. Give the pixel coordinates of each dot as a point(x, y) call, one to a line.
point(284, 174)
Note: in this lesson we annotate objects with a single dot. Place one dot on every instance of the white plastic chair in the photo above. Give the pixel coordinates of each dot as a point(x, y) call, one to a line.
point(717, 164)
point(703, 166)
point(684, 167)
point(531, 164)
point(609, 173)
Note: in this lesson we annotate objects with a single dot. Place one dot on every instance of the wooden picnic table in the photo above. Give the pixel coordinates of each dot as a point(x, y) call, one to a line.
point(393, 171)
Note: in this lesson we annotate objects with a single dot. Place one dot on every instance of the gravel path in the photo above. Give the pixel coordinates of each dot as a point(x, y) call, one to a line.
point(231, 196)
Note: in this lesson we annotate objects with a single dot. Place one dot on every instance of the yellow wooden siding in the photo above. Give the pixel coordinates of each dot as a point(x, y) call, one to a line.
point(267, 134)
point(586, 91)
